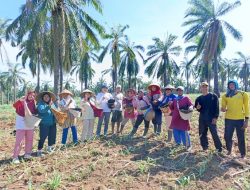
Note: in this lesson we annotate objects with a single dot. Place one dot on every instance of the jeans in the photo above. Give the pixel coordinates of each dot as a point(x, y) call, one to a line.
point(105, 117)
point(181, 136)
point(230, 126)
point(65, 134)
point(203, 129)
point(47, 131)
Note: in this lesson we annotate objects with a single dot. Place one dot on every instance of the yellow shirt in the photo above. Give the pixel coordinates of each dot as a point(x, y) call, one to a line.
point(237, 106)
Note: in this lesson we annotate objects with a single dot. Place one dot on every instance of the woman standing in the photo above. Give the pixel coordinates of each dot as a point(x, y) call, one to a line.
point(168, 97)
point(155, 100)
point(102, 99)
point(178, 124)
point(22, 130)
point(48, 122)
point(66, 103)
point(129, 105)
point(87, 115)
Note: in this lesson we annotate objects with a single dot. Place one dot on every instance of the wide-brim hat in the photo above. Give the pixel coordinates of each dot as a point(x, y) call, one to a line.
point(171, 87)
point(154, 84)
point(51, 95)
point(87, 91)
point(66, 92)
point(180, 88)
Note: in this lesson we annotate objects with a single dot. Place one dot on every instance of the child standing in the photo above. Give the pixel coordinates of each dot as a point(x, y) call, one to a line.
point(87, 115)
point(23, 131)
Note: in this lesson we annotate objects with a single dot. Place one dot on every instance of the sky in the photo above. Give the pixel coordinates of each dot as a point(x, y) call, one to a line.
point(146, 19)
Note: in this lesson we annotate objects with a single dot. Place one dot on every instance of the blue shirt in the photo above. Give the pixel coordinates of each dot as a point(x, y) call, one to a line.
point(45, 114)
point(166, 98)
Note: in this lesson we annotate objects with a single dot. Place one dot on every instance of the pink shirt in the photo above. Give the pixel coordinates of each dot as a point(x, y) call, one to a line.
point(177, 122)
point(133, 113)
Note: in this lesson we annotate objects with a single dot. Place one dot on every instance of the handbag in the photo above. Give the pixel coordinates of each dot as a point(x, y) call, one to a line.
point(30, 120)
point(185, 114)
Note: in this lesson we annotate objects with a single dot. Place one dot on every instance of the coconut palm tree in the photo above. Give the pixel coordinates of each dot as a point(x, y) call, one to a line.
point(244, 62)
point(14, 76)
point(83, 69)
point(69, 25)
point(162, 58)
point(188, 71)
point(116, 36)
point(129, 61)
point(3, 26)
point(204, 19)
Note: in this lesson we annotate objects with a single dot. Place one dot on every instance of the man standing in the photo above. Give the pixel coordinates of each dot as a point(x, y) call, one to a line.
point(208, 106)
point(117, 111)
point(236, 105)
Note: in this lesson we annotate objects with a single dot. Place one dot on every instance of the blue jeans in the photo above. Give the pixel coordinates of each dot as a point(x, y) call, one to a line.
point(181, 136)
point(65, 134)
point(105, 117)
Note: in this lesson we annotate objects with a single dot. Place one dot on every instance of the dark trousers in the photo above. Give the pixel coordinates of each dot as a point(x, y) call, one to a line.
point(203, 129)
point(230, 126)
point(139, 120)
point(47, 131)
point(157, 121)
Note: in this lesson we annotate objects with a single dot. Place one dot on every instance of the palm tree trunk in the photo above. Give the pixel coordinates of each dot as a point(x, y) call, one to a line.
point(14, 100)
point(216, 78)
point(38, 70)
point(58, 34)
point(245, 77)
point(187, 82)
point(81, 86)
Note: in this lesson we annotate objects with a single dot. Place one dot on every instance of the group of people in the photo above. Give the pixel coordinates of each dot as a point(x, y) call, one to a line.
point(138, 107)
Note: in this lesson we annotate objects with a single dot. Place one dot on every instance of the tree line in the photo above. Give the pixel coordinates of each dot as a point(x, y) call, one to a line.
point(59, 37)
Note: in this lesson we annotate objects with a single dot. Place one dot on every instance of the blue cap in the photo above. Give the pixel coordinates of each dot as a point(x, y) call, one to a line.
point(104, 86)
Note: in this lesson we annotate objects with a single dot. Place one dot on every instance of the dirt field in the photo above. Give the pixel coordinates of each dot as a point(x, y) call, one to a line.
point(119, 163)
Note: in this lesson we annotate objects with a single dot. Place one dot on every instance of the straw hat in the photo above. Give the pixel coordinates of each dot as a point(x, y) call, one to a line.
point(66, 92)
point(154, 84)
point(51, 95)
point(87, 91)
point(171, 87)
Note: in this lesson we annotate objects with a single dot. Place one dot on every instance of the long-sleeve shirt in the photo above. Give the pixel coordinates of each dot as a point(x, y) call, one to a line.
point(102, 99)
point(118, 101)
point(177, 122)
point(237, 106)
point(87, 111)
point(141, 105)
point(45, 113)
point(209, 106)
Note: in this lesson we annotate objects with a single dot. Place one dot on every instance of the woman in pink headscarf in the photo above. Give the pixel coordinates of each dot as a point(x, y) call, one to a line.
point(23, 131)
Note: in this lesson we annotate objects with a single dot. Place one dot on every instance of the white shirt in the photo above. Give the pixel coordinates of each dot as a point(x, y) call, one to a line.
point(87, 111)
point(102, 100)
point(118, 101)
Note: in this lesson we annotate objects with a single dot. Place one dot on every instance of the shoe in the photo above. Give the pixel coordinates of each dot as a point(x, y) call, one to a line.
point(189, 148)
point(16, 161)
point(27, 156)
point(39, 153)
point(50, 149)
